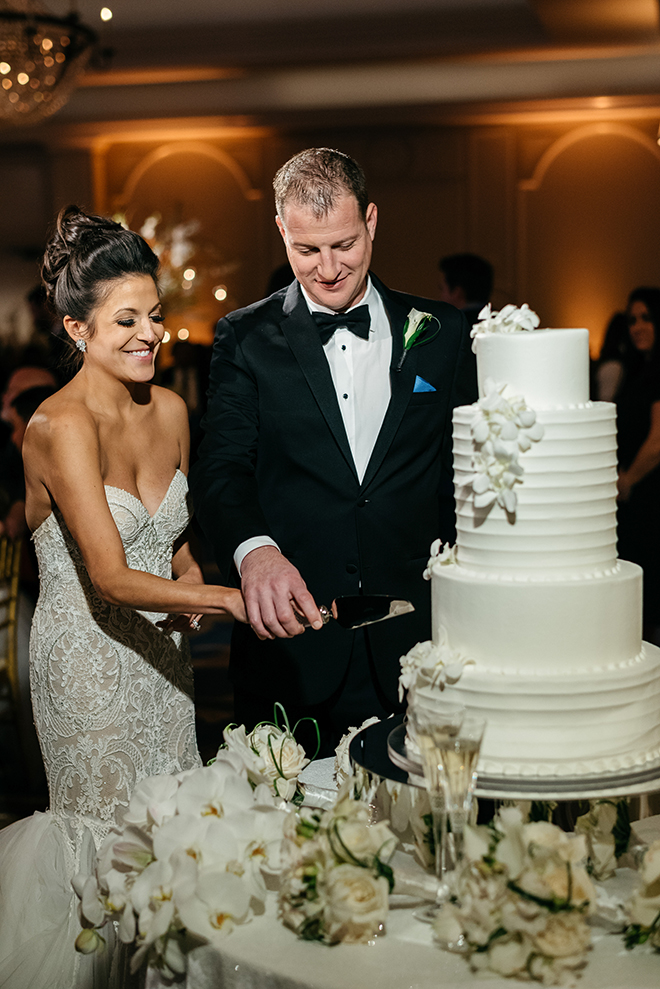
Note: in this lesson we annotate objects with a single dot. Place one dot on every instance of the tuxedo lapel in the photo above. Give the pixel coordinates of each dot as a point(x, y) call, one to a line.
point(303, 338)
point(401, 382)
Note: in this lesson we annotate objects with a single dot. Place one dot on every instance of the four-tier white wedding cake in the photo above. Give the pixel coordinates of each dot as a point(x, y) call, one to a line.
point(532, 598)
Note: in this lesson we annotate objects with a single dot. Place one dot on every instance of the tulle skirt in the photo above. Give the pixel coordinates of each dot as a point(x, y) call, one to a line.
point(39, 919)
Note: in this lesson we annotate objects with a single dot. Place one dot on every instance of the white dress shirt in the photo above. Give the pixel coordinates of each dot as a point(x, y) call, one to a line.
point(360, 373)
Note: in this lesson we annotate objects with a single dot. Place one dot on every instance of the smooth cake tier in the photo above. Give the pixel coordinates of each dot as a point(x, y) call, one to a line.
point(548, 367)
point(540, 628)
point(565, 519)
point(569, 725)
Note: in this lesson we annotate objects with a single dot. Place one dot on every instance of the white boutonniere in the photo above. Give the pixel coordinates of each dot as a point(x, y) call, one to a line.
point(414, 329)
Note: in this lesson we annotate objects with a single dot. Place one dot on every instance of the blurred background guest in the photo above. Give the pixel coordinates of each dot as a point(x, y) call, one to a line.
point(638, 415)
point(466, 281)
point(615, 353)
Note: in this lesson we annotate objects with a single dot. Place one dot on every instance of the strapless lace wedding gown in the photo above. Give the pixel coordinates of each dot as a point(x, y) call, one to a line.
point(112, 699)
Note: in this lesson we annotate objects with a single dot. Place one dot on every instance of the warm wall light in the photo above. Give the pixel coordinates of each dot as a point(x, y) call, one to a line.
point(166, 336)
point(220, 293)
point(658, 137)
point(106, 14)
point(183, 333)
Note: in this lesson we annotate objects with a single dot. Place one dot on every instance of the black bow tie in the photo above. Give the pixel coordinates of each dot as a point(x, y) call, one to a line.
point(357, 321)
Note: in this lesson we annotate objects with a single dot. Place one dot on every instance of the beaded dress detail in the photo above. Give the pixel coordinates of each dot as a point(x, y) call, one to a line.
point(113, 703)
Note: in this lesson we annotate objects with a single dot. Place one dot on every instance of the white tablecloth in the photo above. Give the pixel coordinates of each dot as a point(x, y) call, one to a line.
point(266, 955)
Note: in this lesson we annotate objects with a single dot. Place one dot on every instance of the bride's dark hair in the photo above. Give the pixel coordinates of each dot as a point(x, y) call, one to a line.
point(85, 253)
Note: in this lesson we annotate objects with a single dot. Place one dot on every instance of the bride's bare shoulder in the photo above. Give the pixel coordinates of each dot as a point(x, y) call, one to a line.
point(63, 418)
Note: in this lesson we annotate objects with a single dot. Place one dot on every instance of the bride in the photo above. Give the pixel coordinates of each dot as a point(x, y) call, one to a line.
point(106, 459)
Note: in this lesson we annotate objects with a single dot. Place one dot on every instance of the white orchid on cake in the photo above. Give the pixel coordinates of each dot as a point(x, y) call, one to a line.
point(504, 426)
point(435, 661)
point(510, 319)
point(523, 898)
point(337, 883)
point(186, 865)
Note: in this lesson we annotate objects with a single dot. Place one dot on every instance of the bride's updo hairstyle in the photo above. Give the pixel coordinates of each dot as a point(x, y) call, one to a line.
point(85, 254)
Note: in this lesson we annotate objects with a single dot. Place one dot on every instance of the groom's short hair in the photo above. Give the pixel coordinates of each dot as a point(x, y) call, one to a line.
point(315, 178)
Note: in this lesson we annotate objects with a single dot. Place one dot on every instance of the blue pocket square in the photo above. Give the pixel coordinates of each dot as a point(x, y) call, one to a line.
point(421, 385)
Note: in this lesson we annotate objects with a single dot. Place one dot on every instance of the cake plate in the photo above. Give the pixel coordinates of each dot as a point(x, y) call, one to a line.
point(380, 750)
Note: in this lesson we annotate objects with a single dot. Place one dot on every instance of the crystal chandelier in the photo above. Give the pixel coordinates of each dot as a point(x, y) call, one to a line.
point(41, 57)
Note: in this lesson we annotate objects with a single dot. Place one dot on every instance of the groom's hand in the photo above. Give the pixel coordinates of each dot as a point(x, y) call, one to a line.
point(272, 588)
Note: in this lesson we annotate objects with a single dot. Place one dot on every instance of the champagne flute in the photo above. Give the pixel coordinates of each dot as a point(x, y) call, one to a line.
point(459, 755)
point(433, 722)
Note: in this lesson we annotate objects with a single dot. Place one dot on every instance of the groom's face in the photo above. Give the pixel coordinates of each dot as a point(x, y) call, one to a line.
point(330, 255)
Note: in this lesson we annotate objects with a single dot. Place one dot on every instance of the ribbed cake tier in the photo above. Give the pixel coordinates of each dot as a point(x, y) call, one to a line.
point(565, 520)
point(588, 723)
point(549, 367)
point(542, 629)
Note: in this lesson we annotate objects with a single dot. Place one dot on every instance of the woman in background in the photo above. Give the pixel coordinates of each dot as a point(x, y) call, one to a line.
point(106, 459)
point(638, 424)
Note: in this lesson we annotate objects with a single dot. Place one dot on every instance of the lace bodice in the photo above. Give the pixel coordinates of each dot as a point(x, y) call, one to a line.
point(112, 694)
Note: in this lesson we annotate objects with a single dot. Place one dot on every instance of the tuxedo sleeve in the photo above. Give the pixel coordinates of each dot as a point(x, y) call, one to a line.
point(223, 479)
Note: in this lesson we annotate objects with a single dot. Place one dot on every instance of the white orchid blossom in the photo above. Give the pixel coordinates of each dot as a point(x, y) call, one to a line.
point(436, 661)
point(504, 426)
point(510, 319)
point(188, 861)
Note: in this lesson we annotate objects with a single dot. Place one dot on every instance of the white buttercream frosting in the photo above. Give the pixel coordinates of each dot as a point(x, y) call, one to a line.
point(536, 598)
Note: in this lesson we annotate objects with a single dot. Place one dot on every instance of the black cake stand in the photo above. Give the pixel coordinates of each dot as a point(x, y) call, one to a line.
point(380, 750)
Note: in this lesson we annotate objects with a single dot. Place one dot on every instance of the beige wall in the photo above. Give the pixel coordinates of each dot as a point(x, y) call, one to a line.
point(567, 213)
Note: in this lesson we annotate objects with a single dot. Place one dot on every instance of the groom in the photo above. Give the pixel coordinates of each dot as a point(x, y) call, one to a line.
point(326, 464)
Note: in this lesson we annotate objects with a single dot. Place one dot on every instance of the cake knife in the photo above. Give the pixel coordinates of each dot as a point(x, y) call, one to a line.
point(355, 610)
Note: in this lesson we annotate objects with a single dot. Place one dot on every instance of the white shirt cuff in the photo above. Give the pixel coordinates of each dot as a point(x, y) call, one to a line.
point(248, 545)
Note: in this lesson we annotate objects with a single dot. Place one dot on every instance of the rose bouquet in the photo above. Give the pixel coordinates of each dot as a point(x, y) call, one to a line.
point(643, 909)
point(270, 755)
point(186, 865)
point(337, 882)
point(522, 900)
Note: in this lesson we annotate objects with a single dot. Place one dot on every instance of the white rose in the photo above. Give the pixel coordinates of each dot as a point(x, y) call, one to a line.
point(279, 753)
point(651, 864)
point(357, 904)
point(354, 839)
point(565, 934)
point(643, 909)
point(448, 925)
point(508, 956)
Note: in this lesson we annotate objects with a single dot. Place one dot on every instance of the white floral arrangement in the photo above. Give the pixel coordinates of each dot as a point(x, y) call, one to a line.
point(337, 883)
point(186, 866)
point(504, 426)
point(523, 896)
point(606, 827)
point(271, 755)
point(511, 319)
point(643, 909)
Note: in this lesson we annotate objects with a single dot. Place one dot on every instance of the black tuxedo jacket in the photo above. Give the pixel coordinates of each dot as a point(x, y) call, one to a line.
point(275, 460)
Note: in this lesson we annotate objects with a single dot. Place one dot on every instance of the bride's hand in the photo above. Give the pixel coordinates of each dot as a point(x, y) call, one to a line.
point(235, 605)
point(181, 623)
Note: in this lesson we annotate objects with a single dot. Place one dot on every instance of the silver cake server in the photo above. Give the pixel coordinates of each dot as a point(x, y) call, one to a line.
point(355, 610)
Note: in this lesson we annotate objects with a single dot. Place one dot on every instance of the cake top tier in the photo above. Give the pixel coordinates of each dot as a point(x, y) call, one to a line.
point(550, 368)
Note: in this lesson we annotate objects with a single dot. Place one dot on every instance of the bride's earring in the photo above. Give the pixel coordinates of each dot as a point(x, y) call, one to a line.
point(81, 345)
